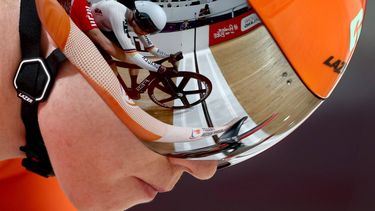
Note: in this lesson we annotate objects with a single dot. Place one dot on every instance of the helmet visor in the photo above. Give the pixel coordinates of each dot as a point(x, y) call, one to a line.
point(145, 23)
point(250, 77)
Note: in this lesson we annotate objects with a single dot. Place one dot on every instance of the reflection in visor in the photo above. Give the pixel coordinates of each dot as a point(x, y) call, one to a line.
point(252, 78)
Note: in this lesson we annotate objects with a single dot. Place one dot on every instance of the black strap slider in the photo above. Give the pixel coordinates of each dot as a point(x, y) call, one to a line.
point(32, 80)
point(35, 163)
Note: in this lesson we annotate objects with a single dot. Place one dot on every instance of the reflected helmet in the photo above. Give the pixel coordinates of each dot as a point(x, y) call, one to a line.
point(149, 16)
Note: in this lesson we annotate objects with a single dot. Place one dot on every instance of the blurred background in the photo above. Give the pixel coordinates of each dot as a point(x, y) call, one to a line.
point(326, 164)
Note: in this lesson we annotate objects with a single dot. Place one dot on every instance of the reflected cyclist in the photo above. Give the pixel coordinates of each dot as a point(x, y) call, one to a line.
point(80, 13)
point(116, 20)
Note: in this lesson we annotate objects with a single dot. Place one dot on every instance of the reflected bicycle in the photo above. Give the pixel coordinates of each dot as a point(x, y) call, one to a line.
point(175, 90)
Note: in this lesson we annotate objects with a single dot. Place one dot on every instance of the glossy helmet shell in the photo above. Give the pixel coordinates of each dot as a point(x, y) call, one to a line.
point(150, 17)
point(317, 37)
point(277, 73)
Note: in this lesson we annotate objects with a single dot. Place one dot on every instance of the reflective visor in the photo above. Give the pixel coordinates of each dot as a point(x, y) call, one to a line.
point(145, 23)
point(250, 77)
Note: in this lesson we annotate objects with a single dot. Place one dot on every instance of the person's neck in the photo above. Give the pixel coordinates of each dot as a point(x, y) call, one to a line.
point(12, 132)
point(129, 16)
point(10, 149)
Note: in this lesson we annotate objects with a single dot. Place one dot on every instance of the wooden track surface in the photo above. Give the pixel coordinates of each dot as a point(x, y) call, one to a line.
point(163, 114)
point(263, 81)
point(259, 76)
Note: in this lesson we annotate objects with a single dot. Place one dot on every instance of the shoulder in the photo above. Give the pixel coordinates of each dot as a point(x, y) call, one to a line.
point(103, 3)
point(109, 8)
point(79, 3)
point(77, 6)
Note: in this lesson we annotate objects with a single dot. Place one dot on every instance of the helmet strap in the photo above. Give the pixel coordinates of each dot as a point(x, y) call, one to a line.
point(34, 73)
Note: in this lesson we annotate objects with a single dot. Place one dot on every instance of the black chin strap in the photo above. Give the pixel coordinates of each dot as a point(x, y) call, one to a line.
point(35, 75)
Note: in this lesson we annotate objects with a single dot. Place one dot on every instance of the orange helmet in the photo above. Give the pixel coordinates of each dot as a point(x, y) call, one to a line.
point(278, 63)
point(317, 37)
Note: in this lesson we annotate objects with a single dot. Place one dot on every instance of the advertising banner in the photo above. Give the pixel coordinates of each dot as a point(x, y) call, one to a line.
point(232, 28)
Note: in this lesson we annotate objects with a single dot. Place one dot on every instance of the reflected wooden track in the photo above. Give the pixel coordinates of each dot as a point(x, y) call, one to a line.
point(163, 114)
point(263, 81)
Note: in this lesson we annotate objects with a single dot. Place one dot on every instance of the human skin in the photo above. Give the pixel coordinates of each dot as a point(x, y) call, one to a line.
point(98, 162)
point(109, 47)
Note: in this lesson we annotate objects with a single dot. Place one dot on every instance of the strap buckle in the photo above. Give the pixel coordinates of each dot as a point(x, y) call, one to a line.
point(32, 80)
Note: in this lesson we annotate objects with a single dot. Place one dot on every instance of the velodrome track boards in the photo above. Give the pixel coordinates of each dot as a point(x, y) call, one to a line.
point(163, 114)
point(230, 69)
point(195, 44)
point(262, 65)
point(250, 77)
point(200, 58)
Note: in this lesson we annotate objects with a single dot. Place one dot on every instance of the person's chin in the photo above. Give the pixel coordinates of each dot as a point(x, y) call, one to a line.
point(141, 193)
point(147, 191)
